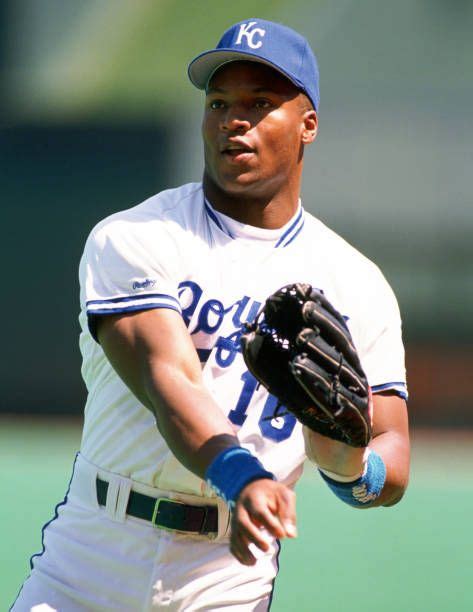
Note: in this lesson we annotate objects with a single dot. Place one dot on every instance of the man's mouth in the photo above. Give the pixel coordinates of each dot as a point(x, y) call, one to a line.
point(237, 151)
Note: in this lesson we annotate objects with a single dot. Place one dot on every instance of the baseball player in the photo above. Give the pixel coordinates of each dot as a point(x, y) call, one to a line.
point(184, 484)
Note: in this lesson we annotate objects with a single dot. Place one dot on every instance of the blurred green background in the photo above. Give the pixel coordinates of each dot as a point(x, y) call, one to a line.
point(97, 114)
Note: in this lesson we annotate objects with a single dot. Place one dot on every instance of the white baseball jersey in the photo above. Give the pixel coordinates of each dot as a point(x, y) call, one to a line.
point(175, 251)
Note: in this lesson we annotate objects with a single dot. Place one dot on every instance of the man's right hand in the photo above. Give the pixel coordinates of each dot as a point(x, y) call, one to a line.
point(264, 508)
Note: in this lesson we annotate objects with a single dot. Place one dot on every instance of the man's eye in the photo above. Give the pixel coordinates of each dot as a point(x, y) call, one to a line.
point(262, 103)
point(216, 104)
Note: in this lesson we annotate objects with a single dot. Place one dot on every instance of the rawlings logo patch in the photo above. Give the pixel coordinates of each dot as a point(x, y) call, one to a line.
point(148, 283)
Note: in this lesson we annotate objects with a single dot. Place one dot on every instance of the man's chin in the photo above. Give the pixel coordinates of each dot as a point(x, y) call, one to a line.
point(240, 184)
point(248, 184)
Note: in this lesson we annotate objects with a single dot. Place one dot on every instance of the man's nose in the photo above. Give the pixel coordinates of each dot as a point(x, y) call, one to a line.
point(235, 120)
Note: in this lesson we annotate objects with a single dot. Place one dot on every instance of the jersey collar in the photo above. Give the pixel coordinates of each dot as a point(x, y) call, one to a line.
point(279, 238)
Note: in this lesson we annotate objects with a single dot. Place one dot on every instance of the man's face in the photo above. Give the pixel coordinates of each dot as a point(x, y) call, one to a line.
point(252, 129)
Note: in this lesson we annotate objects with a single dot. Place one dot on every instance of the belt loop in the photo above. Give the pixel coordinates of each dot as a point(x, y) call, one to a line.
point(122, 500)
point(112, 497)
point(224, 517)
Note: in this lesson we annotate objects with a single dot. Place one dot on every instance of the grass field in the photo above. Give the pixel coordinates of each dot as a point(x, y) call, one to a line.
point(414, 557)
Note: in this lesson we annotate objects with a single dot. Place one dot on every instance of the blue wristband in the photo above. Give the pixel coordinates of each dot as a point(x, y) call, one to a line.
point(365, 489)
point(233, 469)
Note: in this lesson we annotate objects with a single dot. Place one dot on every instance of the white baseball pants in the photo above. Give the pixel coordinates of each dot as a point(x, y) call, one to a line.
point(96, 558)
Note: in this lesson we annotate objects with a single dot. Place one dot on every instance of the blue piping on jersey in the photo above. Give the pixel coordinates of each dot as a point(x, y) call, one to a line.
point(398, 387)
point(289, 235)
point(295, 234)
point(215, 219)
point(289, 229)
point(132, 298)
point(132, 308)
point(56, 515)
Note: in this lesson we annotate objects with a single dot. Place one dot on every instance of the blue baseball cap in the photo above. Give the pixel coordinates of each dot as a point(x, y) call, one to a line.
point(258, 40)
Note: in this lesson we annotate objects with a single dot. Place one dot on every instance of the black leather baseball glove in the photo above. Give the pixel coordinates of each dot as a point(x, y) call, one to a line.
point(301, 350)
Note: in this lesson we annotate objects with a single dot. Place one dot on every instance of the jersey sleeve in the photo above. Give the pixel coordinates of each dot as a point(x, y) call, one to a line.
point(380, 338)
point(128, 266)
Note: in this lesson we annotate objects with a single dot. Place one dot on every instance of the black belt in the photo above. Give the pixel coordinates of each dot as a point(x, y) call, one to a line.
point(167, 513)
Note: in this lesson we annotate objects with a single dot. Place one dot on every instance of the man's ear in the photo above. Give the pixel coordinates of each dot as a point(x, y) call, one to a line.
point(310, 126)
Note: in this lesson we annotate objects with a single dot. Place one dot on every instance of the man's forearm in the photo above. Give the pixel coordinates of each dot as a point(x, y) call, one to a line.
point(392, 447)
point(348, 465)
point(193, 425)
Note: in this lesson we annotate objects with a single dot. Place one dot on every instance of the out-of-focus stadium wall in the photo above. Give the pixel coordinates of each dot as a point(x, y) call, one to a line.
point(57, 182)
point(98, 114)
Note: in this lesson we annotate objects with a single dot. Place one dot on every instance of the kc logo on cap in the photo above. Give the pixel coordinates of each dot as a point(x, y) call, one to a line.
point(249, 34)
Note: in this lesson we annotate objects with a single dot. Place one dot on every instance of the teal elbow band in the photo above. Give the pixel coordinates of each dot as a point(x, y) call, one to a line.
point(363, 490)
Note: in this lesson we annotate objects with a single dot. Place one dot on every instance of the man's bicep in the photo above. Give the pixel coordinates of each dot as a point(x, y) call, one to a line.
point(391, 441)
point(389, 414)
point(141, 344)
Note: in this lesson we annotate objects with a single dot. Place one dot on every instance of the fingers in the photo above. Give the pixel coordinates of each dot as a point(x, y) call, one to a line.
point(318, 297)
point(317, 381)
point(333, 330)
point(329, 358)
point(247, 538)
point(264, 510)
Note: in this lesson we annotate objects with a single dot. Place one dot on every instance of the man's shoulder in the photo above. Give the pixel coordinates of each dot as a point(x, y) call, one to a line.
point(354, 278)
point(166, 209)
point(163, 206)
point(336, 246)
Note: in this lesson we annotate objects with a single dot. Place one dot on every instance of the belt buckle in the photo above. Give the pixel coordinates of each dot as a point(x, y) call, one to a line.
point(156, 512)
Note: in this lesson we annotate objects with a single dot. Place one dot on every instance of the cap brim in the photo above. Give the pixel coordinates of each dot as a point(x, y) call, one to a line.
point(202, 68)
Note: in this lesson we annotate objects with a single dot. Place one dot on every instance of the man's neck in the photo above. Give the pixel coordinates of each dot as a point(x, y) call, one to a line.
point(269, 212)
